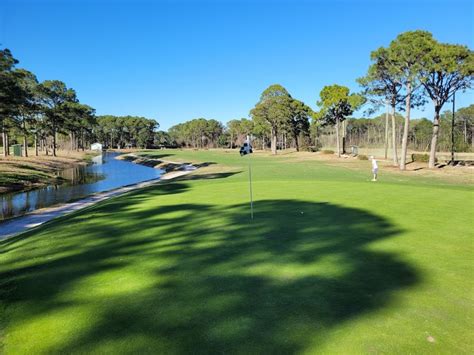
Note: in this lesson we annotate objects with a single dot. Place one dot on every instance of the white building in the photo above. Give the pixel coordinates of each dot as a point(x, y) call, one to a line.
point(96, 146)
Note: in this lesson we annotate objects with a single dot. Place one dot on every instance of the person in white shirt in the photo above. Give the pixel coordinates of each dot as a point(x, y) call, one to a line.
point(375, 168)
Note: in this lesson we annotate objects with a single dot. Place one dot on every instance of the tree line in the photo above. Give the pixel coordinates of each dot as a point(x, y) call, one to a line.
point(197, 133)
point(120, 132)
point(48, 116)
point(361, 132)
point(276, 112)
point(40, 111)
point(371, 132)
point(413, 70)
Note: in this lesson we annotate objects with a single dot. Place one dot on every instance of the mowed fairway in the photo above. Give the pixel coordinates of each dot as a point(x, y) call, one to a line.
point(332, 263)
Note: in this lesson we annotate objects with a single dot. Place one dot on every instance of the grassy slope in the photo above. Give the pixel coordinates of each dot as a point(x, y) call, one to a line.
point(22, 174)
point(331, 263)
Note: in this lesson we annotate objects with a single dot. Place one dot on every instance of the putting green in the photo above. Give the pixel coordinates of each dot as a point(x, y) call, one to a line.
point(332, 263)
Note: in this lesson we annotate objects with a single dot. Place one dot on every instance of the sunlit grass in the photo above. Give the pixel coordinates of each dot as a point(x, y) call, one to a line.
point(332, 263)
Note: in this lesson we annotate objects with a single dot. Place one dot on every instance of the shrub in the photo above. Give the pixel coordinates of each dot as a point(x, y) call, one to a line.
point(362, 157)
point(422, 158)
point(327, 151)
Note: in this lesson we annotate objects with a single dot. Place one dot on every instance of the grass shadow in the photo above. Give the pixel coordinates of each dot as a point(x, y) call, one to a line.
point(214, 280)
point(154, 155)
point(206, 176)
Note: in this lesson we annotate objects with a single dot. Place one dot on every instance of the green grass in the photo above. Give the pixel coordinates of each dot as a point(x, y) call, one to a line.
point(332, 263)
point(25, 179)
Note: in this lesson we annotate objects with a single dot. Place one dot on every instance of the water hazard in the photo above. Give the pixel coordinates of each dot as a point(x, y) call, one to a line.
point(105, 173)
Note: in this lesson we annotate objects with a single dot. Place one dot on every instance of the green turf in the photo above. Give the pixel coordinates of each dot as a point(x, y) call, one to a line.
point(332, 263)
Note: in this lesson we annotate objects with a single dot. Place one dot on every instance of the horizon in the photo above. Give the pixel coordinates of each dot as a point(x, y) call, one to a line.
point(175, 61)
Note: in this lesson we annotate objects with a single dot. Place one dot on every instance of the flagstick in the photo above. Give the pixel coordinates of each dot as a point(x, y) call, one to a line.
point(250, 185)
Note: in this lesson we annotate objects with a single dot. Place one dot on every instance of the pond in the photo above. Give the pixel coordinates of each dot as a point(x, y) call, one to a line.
point(105, 173)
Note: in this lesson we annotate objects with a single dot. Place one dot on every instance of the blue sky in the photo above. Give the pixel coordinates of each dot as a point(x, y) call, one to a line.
point(178, 60)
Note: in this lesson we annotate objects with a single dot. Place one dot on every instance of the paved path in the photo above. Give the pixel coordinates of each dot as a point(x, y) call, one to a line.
point(40, 216)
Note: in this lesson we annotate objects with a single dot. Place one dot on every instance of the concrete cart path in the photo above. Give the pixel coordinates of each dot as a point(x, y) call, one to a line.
point(21, 224)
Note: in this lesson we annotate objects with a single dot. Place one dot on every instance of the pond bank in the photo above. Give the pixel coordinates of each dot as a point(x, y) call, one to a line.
point(28, 173)
point(165, 165)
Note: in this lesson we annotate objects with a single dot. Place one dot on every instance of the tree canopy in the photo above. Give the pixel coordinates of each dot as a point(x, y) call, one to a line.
point(445, 69)
point(336, 105)
point(278, 111)
point(50, 110)
point(413, 69)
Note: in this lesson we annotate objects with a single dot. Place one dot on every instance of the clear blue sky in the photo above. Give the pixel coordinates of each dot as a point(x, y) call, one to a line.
point(177, 60)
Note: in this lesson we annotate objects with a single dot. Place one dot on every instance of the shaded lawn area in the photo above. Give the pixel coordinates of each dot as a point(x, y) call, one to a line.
point(331, 264)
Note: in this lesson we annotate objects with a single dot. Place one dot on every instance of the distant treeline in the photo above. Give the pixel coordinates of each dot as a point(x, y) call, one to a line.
point(125, 132)
point(48, 116)
point(197, 133)
point(37, 113)
point(361, 132)
point(413, 71)
point(370, 132)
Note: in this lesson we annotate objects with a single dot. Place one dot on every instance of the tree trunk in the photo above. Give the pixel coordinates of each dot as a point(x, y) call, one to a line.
point(337, 138)
point(316, 138)
point(71, 141)
point(343, 137)
point(54, 142)
point(25, 146)
point(274, 141)
point(472, 137)
point(296, 142)
point(452, 134)
point(394, 137)
point(434, 138)
point(5, 143)
point(406, 127)
point(465, 131)
point(36, 144)
point(386, 133)
point(231, 140)
point(25, 140)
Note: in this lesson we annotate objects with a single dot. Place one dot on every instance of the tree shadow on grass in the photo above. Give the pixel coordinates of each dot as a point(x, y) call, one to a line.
point(213, 280)
point(206, 176)
point(153, 155)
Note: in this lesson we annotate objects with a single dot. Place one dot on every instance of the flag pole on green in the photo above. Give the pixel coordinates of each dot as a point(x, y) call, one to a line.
point(246, 149)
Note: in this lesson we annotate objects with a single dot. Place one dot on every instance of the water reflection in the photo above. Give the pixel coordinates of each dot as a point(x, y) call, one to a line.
point(104, 174)
point(79, 176)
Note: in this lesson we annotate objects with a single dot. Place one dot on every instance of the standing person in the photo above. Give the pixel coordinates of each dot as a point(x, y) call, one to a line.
point(375, 167)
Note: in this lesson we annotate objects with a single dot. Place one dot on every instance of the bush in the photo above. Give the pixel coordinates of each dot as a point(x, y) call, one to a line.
point(362, 157)
point(327, 151)
point(422, 158)
point(311, 149)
